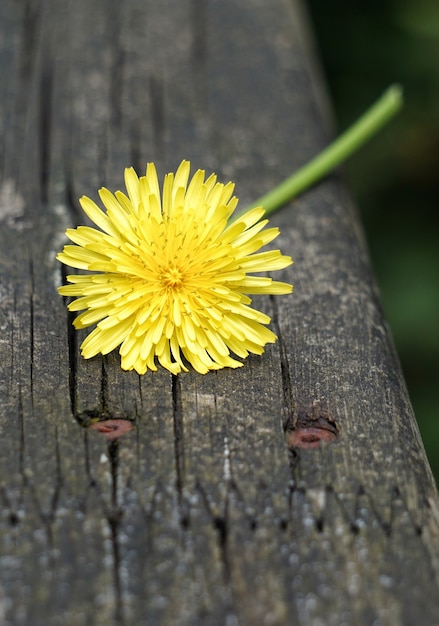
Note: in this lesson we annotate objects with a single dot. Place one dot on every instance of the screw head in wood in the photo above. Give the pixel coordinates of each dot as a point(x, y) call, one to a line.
point(113, 428)
point(309, 437)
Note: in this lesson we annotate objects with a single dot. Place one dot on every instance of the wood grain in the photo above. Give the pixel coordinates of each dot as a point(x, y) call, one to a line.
point(201, 514)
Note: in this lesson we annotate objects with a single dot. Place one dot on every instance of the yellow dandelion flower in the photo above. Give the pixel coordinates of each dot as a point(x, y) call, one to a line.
point(170, 274)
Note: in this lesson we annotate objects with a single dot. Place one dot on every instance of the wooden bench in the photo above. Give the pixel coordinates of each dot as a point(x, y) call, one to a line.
point(215, 508)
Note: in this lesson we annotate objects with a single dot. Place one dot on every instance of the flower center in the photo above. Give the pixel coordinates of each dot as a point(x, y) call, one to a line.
point(171, 277)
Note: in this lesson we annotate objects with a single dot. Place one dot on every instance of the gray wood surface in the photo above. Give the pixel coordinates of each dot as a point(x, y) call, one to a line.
point(201, 514)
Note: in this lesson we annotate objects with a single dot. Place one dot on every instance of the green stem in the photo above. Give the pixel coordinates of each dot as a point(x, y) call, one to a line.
point(350, 141)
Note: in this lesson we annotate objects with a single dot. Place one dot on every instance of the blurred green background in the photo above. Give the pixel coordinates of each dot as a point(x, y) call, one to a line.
point(365, 46)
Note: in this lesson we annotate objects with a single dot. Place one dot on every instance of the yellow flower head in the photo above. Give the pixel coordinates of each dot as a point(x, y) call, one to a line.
point(170, 274)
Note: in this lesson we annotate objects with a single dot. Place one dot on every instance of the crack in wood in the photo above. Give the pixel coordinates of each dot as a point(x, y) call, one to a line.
point(88, 471)
point(114, 519)
point(156, 94)
point(21, 448)
point(117, 65)
point(148, 511)
point(113, 513)
point(356, 520)
point(72, 345)
point(29, 40)
point(135, 149)
point(198, 19)
point(32, 326)
point(396, 502)
point(47, 515)
point(287, 391)
point(45, 125)
point(177, 411)
point(220, 524)
point(71, 200)
point(11, 509)
point(103, 394)
point(14, 316)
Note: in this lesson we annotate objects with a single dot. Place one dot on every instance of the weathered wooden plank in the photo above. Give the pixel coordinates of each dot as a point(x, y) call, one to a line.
point(199, 514)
